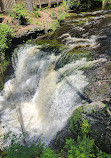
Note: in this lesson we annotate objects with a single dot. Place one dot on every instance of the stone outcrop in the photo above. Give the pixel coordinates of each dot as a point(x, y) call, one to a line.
point(98, 115)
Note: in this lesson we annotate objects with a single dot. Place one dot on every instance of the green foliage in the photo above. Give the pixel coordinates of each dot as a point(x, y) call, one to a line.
point(64, 4)
point(74, 4)
point(53, 14)
point(36, 14)
point(39, 9)
point(1, 15)
point(83, 148)
point(86, 127)
point(19, 149)
point(83, 4)
point(19, 12)
point(62, 17)
point(55, 24)
point(48, 153)
point(78, 125)
point(38, 23)
point(6, 35)
point(103, 155)
point(76, 122)
point(35, 8)
point(3, 66)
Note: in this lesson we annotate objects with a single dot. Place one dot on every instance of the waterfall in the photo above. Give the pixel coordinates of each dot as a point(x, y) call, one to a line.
point(41, 96)
point(46, 100)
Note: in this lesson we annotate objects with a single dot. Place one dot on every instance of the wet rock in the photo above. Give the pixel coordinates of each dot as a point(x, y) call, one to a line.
point(99, 116)
point(60, 139)
point(99, 87)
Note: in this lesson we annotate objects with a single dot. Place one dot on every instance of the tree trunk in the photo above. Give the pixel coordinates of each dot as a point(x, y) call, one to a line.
point(57, 3)
point(1, 5)
point(29, 5)
point(40, 4)
point(49, 4)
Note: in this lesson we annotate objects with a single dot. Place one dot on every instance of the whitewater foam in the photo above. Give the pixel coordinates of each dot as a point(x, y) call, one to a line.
point(40, 99)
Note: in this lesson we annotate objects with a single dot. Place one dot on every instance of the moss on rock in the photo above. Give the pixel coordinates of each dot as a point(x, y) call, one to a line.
point(95, 119)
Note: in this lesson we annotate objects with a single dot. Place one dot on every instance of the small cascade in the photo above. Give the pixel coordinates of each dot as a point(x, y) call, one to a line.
point(74, 42)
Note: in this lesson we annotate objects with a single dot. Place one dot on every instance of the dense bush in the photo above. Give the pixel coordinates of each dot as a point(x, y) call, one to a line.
point(16, 150)
point(48, 153)
point(76, 122)
point(83, 148)
point(6, 35)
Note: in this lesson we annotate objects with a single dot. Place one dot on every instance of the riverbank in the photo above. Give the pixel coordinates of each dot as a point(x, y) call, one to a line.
point(46, 20)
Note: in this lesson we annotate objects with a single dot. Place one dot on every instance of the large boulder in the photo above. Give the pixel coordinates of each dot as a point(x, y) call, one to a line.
point(98, 115)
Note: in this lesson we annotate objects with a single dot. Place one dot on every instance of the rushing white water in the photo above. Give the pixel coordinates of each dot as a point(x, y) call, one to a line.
point(74, 42)
point(40, 99)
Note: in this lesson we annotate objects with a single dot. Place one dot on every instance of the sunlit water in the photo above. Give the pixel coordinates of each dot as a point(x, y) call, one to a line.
point(40, 99)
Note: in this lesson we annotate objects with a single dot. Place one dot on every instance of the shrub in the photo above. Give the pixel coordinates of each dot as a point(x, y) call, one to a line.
point(103, 155)
point(48, 153)
point(62, 16)
point(19, 148)
point(38, 23)
point(19, 12)
point(65, 5)
point(78, 125)
point(36, 14)
point(55, 24)
point(6, 35)
point(35, 8)
point(76, 122)
point(83, 148)
point(86, 127)
point(74, 4)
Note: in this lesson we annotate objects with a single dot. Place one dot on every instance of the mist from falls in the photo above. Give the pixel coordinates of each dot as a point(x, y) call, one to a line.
point(40, 99)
